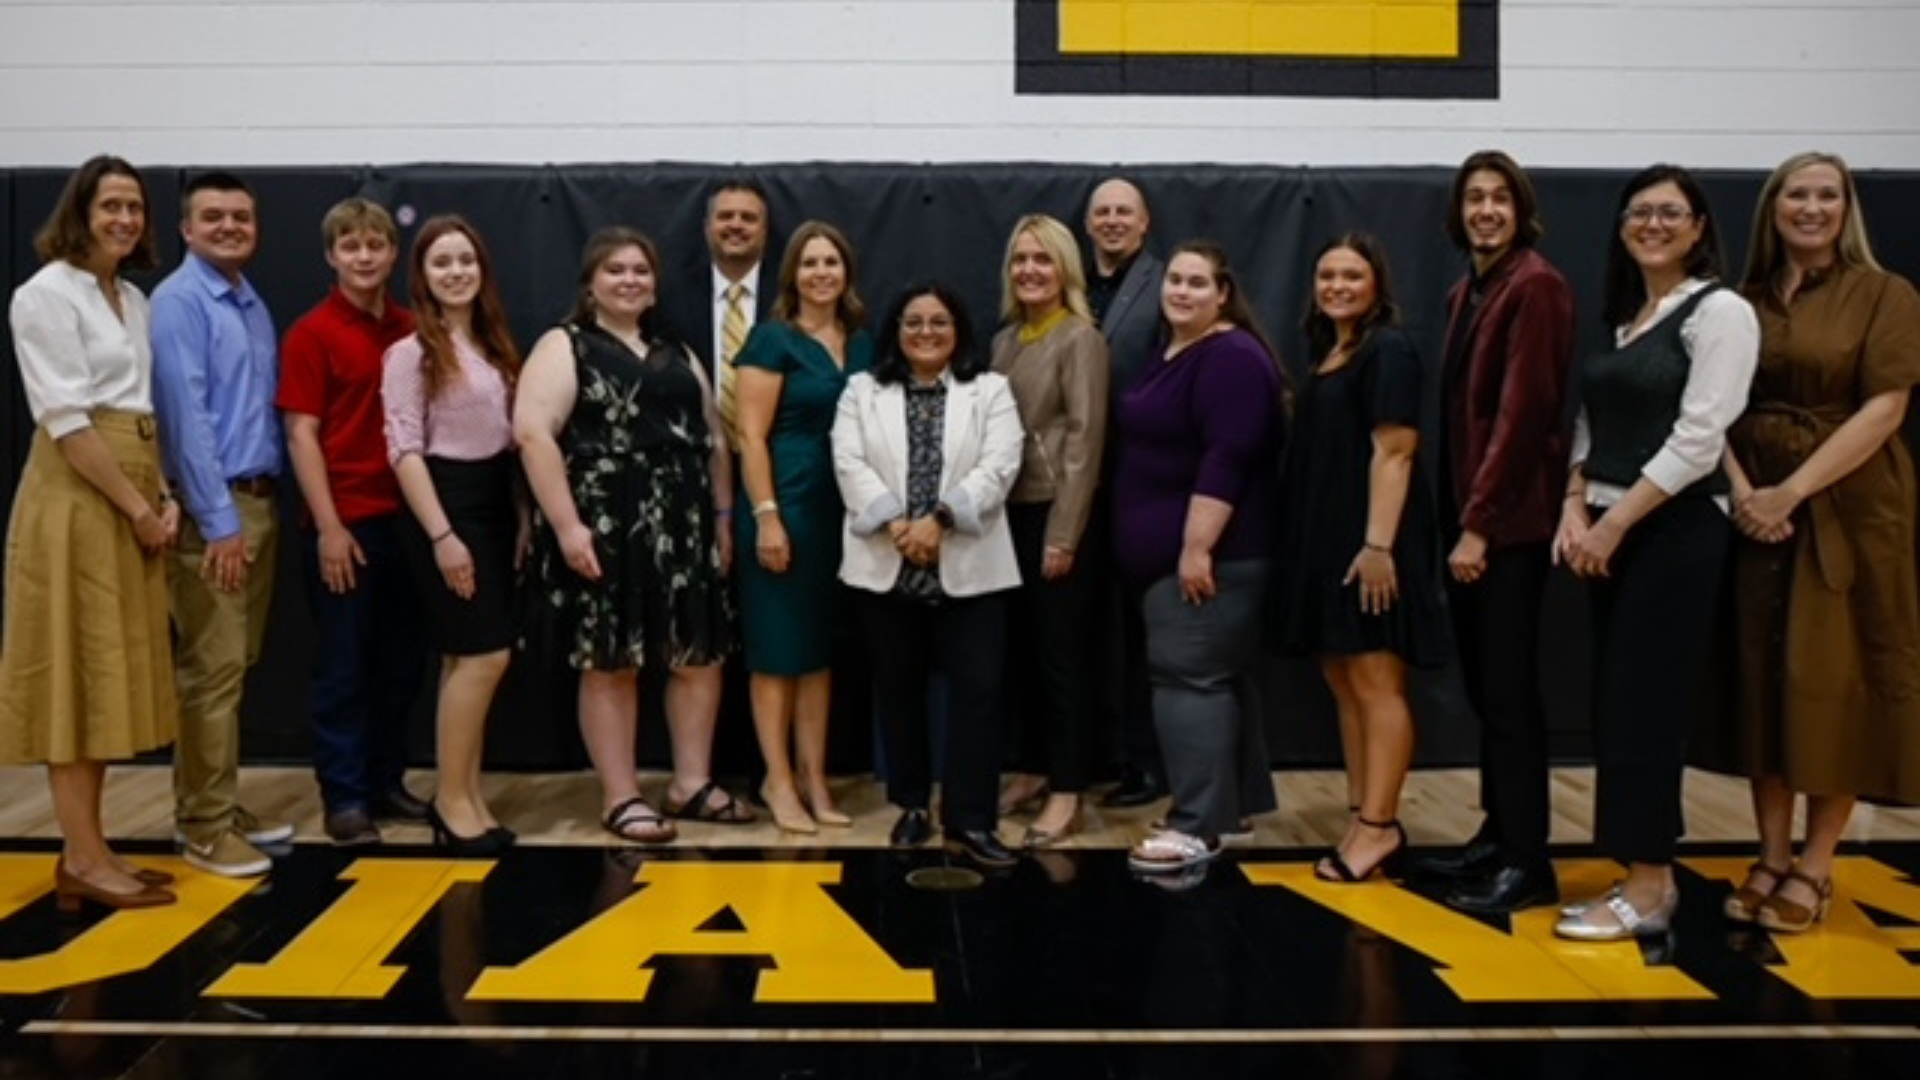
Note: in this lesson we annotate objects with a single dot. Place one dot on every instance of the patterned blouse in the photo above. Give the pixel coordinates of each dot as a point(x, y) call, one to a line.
point(926, 426)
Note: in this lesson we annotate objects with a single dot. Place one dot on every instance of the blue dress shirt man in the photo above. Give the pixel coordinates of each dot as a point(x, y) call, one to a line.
point(215, 368)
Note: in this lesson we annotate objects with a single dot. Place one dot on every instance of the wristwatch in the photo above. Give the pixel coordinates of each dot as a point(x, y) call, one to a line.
point(943, 515)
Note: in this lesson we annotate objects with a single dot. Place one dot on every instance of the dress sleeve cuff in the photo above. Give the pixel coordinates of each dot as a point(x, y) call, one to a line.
point(878, 513)
point(62, 424)
point(966, 512)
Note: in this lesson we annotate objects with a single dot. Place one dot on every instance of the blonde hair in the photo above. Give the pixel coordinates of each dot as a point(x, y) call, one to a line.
point(354, 215)
point(1764, 252)
point(1057, 241)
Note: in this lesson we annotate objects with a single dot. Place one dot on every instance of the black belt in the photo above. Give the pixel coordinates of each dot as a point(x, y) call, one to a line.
point(260, 487)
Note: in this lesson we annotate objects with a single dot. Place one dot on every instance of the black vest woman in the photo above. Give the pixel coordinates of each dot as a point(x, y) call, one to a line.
point(1645, 522)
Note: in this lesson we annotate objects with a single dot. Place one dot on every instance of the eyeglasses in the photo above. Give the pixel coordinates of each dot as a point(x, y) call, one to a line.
point(939, 324)
point(1665, 214)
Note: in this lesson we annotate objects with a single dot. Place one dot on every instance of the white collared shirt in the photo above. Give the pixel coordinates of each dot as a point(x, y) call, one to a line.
point(75, 353)
point(749, 297)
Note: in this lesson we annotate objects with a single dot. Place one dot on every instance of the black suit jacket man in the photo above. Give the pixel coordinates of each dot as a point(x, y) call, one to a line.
point(1132, 323)
point(687, 311)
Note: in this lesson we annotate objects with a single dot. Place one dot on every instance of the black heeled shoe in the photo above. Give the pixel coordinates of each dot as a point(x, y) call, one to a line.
point(486, 845)
point(1333, 867)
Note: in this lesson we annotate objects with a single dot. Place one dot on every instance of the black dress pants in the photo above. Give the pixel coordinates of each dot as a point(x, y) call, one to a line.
point(1496, 626)
point(1050, 659)
point(963, 639)
point(1652, 619)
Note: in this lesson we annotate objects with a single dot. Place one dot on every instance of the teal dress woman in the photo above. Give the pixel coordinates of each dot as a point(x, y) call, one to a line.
point(788, 616)
point(788, 382)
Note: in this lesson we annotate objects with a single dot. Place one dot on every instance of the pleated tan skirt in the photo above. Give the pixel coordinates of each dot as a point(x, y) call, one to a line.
point(86, 667)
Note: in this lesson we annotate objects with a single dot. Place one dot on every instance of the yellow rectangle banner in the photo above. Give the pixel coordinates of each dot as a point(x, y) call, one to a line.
point(1344, 29)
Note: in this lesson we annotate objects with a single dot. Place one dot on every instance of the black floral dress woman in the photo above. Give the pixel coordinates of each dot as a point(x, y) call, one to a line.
point(637, 449)
point(630, 550)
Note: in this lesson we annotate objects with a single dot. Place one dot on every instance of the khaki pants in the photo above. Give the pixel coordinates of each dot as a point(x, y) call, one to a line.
point(219, 639)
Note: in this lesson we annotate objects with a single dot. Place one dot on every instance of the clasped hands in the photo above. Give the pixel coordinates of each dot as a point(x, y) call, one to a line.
point(917, 541)
point(1585, 546)
point(1765, 514)
point(156, 530)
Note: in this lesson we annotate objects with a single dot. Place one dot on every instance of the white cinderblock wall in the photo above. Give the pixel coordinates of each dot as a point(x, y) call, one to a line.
point(1734, 83)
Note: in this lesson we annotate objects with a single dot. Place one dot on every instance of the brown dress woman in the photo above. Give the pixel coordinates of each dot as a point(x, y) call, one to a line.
point(1825, 695)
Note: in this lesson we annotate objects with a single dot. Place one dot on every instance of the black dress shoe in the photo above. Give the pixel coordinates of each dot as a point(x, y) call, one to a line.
point(351, 828)
point(1478, 858)
point(1507, 889)
point(982, 847)
point(913, 829)
point(1137, 787)
point(399, 805)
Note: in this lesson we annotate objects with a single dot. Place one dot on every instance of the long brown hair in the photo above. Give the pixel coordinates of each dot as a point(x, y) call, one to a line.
point(850, 311)
point(438, 362)
point(1322, 335)
point(1235, 308)
point(601, 246)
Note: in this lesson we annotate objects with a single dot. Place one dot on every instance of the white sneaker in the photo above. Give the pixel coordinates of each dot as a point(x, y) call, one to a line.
point(227, 854)
point(258, 830)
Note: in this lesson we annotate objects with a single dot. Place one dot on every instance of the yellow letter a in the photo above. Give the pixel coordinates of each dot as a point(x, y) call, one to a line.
point(820, 955)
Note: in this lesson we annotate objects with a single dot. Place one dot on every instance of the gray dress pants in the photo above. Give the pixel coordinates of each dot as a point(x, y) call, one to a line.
point(1198, 658)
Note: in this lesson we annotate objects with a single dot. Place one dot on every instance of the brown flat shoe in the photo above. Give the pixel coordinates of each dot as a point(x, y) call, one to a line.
point(71, 891)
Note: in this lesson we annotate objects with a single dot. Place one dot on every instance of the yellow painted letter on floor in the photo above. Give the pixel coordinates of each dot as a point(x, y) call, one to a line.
point(123, 942)
point(343, 953)
point(1482, 964)
point(819, 954)
point(1848, 956)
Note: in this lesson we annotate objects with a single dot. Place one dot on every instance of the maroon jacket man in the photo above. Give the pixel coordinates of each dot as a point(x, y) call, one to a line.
point(1504, 416)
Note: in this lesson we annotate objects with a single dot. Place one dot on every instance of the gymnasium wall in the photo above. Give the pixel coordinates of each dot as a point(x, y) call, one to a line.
point(1723, 83)
point(925, 127)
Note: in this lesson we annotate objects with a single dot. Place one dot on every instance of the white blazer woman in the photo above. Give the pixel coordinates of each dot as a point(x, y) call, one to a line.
point(979, 459)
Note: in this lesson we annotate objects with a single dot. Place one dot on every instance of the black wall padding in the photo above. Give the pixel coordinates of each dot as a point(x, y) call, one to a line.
point(908, 221)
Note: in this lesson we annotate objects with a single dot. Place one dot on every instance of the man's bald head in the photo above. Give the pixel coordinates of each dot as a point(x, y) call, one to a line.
point(1117, 223)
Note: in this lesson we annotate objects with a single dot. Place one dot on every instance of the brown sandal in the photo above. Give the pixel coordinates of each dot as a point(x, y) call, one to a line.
point(1743, 906)
point(1791, 916)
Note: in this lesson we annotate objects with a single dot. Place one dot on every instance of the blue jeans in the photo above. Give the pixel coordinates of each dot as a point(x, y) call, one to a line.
point(369, 661)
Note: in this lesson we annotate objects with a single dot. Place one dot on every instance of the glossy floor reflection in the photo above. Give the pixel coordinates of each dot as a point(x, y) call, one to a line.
point(580, 962)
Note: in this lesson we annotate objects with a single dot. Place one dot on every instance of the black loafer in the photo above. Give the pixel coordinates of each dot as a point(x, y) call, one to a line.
point(1507, 889)
point(1136, 788)
point(983, 848)
point(352, 828)
point(913, 829)
point(1479, 857)
point(399, 805)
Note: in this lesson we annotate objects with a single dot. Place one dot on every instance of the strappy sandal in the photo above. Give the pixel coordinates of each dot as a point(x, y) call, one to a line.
point(1333, 868)
point(1743, 906)
point(636, 822)
point(1791, 916)
point(700, 807)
